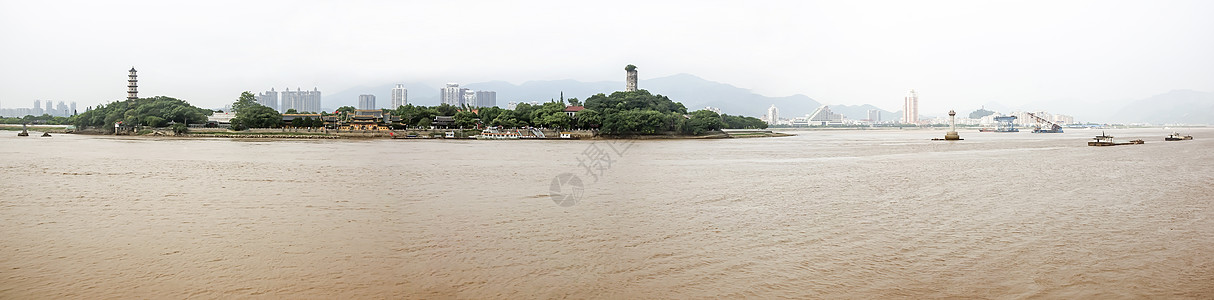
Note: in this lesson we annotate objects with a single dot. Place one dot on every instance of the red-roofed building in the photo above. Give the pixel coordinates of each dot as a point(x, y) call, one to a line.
point(573, 110)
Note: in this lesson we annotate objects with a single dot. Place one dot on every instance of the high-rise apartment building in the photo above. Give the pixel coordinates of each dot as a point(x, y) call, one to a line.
point(366, 101)
point(61, 110)
point(773, 114)
point(910, 108)
point(37, 111)
point(300, 100)
point(400, 96)
point(452, 95)
point(469, 97)
point(874, 115)
point(268, 99)
point(486, 98)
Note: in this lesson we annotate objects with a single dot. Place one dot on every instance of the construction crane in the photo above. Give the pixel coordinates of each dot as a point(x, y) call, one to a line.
point(1054, 128)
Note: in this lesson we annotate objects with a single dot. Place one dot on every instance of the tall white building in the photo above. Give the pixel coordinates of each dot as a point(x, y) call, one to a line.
point(62, 110)
point(400, 96)
point(300, 100)
point(366, 101)
point(874, 116)
point(773, 114)
point(268, 99)
point(452, 95)
point(486, 98)
point(910, 108)
point(469, 97)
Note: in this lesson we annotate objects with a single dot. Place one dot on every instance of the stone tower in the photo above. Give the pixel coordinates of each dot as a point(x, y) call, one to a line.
point(132, 88)
point(631, 79)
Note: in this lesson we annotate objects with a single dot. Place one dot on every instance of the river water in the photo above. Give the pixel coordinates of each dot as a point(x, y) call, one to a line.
point(824, 214)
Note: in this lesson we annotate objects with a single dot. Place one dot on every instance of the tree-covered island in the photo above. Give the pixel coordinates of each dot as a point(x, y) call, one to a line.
point(620, 114)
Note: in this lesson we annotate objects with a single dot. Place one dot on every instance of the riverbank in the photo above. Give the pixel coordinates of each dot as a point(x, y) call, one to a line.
point(419, 134)
point(35, 128)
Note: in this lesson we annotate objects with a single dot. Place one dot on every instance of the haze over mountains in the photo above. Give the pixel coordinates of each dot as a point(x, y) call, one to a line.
point(1179, 106)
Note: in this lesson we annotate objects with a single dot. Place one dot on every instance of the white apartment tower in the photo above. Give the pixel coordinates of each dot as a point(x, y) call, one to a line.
point(486, 98)
point(452, 95)
point(469, 97)
point(132, 88)
point(910, 109)
point(874, 116)
point(773, 114)
point(268, 99)
point(366, 101)
point(300, 100)
point(400, 96)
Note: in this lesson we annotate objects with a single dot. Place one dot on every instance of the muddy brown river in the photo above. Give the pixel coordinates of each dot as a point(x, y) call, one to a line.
point(824, 214)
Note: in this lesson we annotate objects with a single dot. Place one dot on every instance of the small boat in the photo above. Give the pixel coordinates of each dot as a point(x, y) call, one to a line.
point(46, 134)
point(1177, 137)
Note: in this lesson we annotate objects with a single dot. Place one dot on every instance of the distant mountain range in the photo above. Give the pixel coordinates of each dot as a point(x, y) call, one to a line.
point(1179, 106)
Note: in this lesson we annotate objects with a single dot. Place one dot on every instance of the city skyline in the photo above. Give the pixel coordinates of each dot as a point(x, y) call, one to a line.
point(850, 53)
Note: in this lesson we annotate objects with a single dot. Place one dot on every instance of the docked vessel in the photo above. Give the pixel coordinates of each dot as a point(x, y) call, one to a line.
point(1177, 137)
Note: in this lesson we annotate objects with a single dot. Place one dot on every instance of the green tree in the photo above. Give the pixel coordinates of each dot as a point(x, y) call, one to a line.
point(446, 110)
point(588, 119)
point(465, 119)
point(291, 111)
point(522, 114)
point(249, 114)
point(155, 111)
point(637, 112)
point(702, 121)
point(424, 123)
point(489, 113)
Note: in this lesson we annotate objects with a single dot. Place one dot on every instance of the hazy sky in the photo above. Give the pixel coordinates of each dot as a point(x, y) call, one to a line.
point(955, 53)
